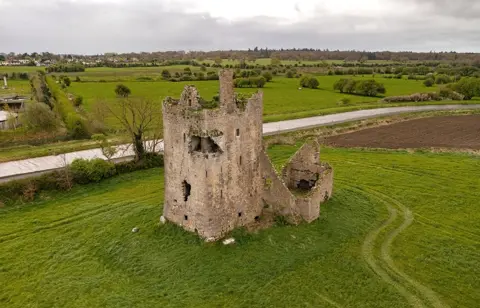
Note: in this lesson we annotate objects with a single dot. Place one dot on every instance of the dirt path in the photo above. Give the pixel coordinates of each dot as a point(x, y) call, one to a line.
point(460, 132)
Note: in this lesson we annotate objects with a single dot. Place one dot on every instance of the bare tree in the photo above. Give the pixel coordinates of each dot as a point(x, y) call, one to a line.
point(65, 179)
point(108, 149)
point(138, 118)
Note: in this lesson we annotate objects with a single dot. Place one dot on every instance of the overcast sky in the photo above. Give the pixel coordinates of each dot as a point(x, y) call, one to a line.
point(99, 26)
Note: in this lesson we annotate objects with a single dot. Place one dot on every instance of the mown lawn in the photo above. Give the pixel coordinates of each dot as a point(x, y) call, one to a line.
point(77, 249)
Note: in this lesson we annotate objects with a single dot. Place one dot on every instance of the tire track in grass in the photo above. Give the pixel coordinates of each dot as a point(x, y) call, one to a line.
point(328, 300)
point(70, 219)
point(425, 291)
point(368, 254)
point(454, 231)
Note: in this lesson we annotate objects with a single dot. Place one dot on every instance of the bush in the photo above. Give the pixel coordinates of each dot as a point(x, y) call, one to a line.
point(340, 84)
point(268, 76)
point(258, 82)
point(309, 82)
point(468, 87)
point(79, 172)
point(442, 79)
point(87, 171)
point(151, 160)
point(78, 101)
point(39, 117)
point(360, 87)
point(429, 82)
point(424, 97)
point(290, 74)
point(166, 74)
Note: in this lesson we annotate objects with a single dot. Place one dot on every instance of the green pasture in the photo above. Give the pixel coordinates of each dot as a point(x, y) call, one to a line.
point(129, 74)
point(20, 69)
point(20, 87)
point(268, 61)
point(282, 98)
point(401, 230)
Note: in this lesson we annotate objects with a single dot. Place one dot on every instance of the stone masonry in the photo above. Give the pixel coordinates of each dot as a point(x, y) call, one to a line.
point(217, 175)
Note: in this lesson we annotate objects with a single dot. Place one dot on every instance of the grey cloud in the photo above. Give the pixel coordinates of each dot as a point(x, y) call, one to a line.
point(146, 25)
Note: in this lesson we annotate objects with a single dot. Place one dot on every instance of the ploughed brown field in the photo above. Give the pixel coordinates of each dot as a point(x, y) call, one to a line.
point(461, 132)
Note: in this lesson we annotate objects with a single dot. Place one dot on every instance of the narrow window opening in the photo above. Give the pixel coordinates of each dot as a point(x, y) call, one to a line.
point(221, 193)
point(184, 138)
point(240, 160)
point(257, 218)
point(189, 102)
point(187, 188)
point(238, 132)
point(206, 173)
point(185, 217)
point(239, 214)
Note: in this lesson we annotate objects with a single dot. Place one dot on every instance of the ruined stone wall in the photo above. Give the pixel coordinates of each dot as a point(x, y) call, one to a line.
point(212, 155)
point(217, 175)
point(276, 197)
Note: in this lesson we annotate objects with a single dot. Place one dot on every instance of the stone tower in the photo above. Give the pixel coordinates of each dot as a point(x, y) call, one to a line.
point(217, 176)
point(212, 169)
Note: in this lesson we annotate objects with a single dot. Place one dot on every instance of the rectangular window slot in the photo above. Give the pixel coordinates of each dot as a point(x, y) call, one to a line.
point(187, 189)
point(238, 132)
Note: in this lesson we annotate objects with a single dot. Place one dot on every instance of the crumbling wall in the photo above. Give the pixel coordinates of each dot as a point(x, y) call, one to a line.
point(217, 175)
point(216, 152)
point(276, 197)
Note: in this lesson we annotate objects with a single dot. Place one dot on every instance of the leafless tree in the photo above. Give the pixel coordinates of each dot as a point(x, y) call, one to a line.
point(138, 117)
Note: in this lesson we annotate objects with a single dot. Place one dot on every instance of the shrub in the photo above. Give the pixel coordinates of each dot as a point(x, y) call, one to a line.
point(77, 79)
point(469, 87)
point(258, 82)
point(369, 88)
point(78, 101)
point(166, 74)
point(77, 126)
point(423, 97)
point(86, 171)
point(309, 82)
point(313, 83)
point(122, 91)
point(151, 160)
point(340, 84)
point(268, 76)
point(39, 117)
point(442, 79)
point(290, 74)
point(429, 82)
point(344, 101)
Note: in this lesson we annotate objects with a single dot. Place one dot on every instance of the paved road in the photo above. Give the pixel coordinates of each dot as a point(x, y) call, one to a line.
point(34, 166)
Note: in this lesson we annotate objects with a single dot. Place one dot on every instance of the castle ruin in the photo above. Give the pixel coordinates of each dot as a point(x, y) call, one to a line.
point(217, 174)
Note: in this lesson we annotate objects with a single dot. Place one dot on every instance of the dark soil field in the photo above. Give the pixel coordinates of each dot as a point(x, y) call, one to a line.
point(461, 132)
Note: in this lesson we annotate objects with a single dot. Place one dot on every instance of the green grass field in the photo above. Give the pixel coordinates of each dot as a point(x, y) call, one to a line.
point(21, 87)
point(282, 97)
point(401, 230)
point(20, 69)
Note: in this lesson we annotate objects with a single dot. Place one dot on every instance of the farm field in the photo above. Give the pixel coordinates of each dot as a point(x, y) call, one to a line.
point(460, 132)
point(375, 245)
point(282, 97)
point(20, 87)
point(20, 69)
